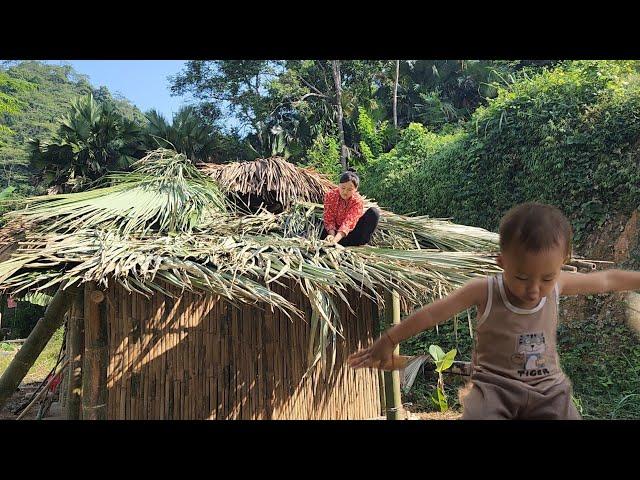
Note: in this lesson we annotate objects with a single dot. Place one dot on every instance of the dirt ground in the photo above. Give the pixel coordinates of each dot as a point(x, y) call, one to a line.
point(21, 396)
point(448, 415)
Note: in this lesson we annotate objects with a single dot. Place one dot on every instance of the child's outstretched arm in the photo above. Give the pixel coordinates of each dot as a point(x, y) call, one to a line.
point(598, 282)
point(379, 353)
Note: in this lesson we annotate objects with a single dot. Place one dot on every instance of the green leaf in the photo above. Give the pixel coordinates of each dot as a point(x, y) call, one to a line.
point(436, 352)
point(446, 361)
point(442, 401)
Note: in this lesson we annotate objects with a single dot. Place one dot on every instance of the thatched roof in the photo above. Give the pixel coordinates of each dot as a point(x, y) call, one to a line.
point(274, 182)
point(167, 219)
point(10, 235)
point(167, 222)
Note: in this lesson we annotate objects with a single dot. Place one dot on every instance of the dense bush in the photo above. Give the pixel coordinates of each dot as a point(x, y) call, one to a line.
point(566, 136)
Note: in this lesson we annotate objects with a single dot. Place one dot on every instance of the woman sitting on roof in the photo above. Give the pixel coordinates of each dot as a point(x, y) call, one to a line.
point(344, 221)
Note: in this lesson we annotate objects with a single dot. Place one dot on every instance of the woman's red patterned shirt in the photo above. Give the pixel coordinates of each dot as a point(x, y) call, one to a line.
point(342, 215)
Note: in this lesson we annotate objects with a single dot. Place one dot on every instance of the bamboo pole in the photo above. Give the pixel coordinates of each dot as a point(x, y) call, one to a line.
point(94, 368)
point(393, 399)
point(35, 343)
point(75, 349)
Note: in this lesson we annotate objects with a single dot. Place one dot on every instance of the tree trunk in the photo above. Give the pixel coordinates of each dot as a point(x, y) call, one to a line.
point(75, 347)
point(94, 366)
point(338, 82)
point(35, 343)
point(395, 95)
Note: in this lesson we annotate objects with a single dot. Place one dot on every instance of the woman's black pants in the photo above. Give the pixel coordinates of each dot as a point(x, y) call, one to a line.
point(362, 232)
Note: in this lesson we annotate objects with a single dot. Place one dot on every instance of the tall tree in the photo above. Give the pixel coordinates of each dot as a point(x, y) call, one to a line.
point(338, 99)
point(237, 88)
point(395, 94)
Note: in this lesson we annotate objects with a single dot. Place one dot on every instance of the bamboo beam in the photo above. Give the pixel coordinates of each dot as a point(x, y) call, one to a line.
point(75, 348)
point(393, 400)
point(94, 366)
point(35, 343)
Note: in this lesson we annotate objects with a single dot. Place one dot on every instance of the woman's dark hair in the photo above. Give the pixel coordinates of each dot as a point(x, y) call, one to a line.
point(350, 175)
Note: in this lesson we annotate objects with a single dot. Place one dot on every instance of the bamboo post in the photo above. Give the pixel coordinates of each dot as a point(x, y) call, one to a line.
point(393, 400)
point(75, 348)
point(35, 343)
point(94, 366)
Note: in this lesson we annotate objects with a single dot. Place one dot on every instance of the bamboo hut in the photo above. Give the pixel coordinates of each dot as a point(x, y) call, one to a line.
point(181, 306)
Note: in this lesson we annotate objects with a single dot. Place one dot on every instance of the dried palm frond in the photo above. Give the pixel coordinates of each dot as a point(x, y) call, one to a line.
point(10, 235)
point(214, 263)
point(271, 180)
point(165, 193)
point(397, 231)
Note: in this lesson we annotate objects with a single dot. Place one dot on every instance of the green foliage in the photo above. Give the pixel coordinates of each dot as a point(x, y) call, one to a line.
point(413, 173)
point(603, 361)
point(566, 136)
point(6, 193)
point(10, 104)
point(46, 96)
point(324, 155)
point(8, 202)
point(372, 138)
point(91, 139)
point(188, 133)
point(238, 87)
point(298, 96)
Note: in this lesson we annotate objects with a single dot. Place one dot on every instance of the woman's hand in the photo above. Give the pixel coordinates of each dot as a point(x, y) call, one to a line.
point(378, 355)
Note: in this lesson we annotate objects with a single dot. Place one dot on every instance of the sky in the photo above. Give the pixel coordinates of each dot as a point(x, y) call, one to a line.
point(143, 82)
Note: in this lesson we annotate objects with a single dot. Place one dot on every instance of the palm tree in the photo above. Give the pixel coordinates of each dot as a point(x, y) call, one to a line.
point(188, 134)
point(435, 92)
point(91, 140)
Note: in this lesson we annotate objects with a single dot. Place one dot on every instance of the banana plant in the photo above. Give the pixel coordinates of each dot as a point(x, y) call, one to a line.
point(443, 361)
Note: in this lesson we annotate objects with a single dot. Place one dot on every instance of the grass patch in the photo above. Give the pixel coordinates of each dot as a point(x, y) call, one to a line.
point(44, 363)
point(603, 361)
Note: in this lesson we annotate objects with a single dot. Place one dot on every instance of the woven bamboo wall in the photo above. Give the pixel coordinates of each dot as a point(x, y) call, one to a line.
point(198, 357)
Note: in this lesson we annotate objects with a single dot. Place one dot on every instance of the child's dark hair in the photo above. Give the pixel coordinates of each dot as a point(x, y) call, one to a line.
point(537, 227)
point(350, 175)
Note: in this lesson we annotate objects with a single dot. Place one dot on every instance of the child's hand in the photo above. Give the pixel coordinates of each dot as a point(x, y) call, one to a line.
point(379, 355)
